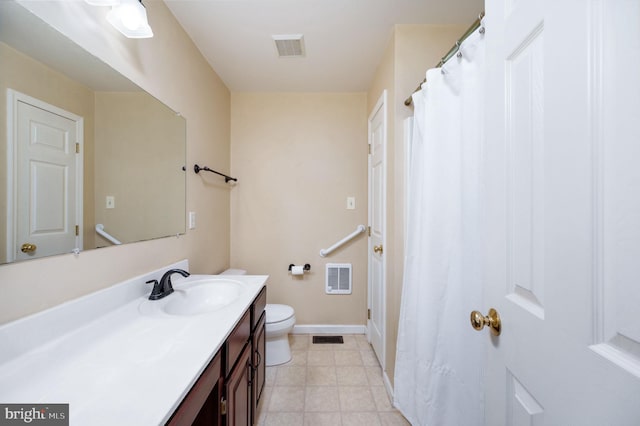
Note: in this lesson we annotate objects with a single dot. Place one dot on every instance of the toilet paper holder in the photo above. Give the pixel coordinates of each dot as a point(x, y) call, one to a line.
point(306, 267)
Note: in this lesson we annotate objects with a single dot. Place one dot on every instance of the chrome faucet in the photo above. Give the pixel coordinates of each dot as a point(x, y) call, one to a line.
point(164, 287)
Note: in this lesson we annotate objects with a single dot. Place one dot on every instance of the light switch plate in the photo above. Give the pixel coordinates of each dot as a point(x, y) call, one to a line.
point(192, 220)
point(351, 203)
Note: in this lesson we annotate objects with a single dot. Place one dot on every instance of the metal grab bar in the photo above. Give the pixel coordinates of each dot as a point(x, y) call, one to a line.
point(359, 230)
point(100, 230)
point(197, 169)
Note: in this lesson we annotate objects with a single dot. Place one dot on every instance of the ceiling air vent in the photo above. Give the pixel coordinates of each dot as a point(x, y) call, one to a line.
point(289, 46)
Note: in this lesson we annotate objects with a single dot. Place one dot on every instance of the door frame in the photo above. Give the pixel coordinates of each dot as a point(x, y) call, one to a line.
point(380, 104)
point(13, 97)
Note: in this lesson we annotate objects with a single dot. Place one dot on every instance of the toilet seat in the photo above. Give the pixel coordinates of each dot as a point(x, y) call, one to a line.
point(278, 313)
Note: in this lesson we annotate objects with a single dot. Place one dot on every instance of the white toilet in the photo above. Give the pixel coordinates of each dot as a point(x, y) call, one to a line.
point(279, 323)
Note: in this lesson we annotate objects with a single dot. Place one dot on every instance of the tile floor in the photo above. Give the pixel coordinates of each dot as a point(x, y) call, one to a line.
point(327, 384)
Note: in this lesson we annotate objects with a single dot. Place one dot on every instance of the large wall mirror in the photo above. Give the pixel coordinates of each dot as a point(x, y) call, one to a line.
point(92, 160)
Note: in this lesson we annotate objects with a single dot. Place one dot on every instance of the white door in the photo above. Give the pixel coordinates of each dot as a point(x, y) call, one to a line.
point(377, 207)
point(563, 212)
point(45, 202)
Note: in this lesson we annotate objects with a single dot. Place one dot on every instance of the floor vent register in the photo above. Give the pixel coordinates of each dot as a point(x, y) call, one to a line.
point(327, 339)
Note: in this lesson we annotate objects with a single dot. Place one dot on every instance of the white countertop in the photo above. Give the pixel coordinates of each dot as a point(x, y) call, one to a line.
point(113, 364)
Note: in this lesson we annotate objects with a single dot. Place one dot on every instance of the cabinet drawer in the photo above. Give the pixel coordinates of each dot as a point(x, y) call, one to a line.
point(258, 307)
point(236, 341)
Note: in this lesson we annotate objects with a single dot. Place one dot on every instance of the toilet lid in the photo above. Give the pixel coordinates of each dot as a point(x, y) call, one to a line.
point(277, 313)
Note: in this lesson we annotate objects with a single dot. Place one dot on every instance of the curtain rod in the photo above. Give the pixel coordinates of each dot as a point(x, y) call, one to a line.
point(451, 52)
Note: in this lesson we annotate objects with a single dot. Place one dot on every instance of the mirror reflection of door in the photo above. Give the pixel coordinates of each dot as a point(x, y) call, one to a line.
point(46, 195)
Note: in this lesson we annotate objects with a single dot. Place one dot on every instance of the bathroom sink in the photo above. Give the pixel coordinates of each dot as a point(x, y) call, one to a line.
point(206, 297)
point(194, 297)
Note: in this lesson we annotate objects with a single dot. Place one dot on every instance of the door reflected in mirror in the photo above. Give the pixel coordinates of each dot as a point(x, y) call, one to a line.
point(84, 147)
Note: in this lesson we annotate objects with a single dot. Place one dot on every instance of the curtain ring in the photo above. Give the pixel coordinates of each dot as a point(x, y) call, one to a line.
point(459, 53)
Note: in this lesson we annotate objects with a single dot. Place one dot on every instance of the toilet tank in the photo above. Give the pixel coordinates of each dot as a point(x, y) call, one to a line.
point(234, 272)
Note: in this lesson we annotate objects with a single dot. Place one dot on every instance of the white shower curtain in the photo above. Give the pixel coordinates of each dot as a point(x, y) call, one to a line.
point(439, 358)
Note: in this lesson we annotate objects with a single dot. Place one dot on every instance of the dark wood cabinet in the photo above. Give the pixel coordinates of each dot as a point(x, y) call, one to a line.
point(236, 342)
point(258, 345)
point(238, 391)
point(258, 342)
point(230, 388)
point(238, 374)
point(201, 406)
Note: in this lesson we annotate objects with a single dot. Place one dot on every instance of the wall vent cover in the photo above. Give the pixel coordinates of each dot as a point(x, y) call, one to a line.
point(338, 278)
point(289, 46)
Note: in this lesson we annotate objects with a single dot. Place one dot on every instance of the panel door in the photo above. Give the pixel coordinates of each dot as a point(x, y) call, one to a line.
point(238, 391)
point(377, 206)
point(259, 366)
point(562, 212)
point(47, 189)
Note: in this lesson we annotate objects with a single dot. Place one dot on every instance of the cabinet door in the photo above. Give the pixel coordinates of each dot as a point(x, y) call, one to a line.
point(210, 414)
point(259, 346)
point(238, 391)
point(201, 406)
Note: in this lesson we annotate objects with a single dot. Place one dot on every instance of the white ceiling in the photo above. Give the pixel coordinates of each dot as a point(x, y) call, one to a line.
point(344, 39)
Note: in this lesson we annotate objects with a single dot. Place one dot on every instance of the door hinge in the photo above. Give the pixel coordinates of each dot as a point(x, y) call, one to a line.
point(368, 313)
point(223, 406)
point(369, 230)
point(369, 145)
point(77, 230)
point(77, 148)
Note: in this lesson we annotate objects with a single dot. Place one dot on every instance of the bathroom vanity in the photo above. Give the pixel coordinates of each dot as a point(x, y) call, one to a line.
point(117, 358)
point(229, 390)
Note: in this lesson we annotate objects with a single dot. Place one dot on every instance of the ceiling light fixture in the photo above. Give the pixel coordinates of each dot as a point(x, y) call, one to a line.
point(130, 18)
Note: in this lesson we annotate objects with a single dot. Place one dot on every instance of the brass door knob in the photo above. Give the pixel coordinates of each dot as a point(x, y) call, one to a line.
point(478, 321)
point(377, 249)
point(28, 248)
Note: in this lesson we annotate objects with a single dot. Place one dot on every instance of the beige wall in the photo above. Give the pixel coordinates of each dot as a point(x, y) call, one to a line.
point(297, 157)
point(411, 51)
point(25, 75)
point(139, 152)
point(171, 68)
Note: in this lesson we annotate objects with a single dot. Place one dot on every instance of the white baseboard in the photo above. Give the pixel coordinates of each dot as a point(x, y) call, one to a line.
point(329, 329)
